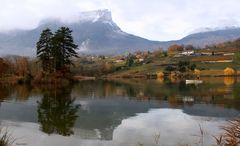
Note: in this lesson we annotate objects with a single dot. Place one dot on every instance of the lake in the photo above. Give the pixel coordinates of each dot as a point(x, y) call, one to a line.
point(119, 113)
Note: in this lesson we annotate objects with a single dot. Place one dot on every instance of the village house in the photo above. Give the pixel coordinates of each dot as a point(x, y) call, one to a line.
point(141, 56)
point(187, 52)
point(228, 54)
point(119, 59)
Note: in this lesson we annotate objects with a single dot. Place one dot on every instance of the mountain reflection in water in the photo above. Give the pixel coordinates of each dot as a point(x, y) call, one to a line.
point(104, 110)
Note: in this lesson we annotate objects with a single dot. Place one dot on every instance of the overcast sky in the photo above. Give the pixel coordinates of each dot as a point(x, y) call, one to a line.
point(152, 19)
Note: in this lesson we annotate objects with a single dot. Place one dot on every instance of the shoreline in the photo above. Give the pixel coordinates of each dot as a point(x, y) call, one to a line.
point(78, 78)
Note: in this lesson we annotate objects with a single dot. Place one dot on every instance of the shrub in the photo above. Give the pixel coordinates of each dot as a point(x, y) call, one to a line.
point(130, 60)
point(183, 65)
point(160, 75)
point(229, 71)
point(193, 67)
point(197, 72)
point(169, 69)
point(182, 69)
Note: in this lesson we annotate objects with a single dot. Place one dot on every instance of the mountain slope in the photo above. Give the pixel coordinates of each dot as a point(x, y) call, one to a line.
point(211, 37)
point(96, 33)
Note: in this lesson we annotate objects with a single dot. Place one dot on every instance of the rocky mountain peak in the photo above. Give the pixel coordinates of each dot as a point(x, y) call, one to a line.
point(98, 15)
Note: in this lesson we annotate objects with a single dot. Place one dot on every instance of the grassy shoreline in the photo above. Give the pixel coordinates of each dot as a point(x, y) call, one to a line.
point(77, 78)
point(132, 75)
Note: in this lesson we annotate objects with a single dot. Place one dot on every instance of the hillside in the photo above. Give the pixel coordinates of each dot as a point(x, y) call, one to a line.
point(202, 39)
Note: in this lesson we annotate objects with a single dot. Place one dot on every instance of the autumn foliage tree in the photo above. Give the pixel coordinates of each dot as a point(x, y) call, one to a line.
point(22, 66)
point(175, 49)
point(3, 67)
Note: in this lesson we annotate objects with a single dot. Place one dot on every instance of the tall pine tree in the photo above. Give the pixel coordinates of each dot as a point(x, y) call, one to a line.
point(64, 48)
point(56, 50)
point(44, 49)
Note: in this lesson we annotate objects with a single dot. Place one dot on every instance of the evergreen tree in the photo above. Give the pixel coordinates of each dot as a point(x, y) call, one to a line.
point(56, 50)
point(130, 60)
point(57, 112)
point(44, 48)
point(64, 48)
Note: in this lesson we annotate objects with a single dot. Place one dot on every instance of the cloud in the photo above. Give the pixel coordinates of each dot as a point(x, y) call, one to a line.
point(152, 19)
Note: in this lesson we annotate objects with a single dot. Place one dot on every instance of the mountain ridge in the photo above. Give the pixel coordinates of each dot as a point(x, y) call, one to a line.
point(96, 33)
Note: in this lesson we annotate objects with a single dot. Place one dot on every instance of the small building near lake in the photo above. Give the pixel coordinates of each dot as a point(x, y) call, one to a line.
point(187, 52)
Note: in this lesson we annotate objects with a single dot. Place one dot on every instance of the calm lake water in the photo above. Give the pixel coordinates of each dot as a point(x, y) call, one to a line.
point(118, 113)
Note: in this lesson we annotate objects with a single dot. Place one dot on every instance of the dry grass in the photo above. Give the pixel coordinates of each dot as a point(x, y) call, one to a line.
point(155, 141)
point(229, 137)
point(231, 134)
point(210, 58)
point(81, 78)
point(53, 78)
point(5, 138)
point(212, 73)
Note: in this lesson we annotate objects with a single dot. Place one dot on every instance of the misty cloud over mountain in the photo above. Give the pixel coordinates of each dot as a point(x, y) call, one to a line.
point(96, 33)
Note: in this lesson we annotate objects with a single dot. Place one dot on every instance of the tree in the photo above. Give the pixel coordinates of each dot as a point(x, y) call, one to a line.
point(189, 47)
point(3, 67)
point(182, 66)
point(193, 67)
point(44, 49)
point(64, 48)
point(22, 66)
point(175, 49)
point(56, 50)
point(57, 112)
point(130, 60)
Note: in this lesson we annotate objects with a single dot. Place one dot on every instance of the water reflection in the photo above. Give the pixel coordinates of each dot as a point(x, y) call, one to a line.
point(108, 109)
point(228, 81)
point(57, 112)
point(236, 91)
point(23, 92)
point(176, 93)
point(5, 92)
